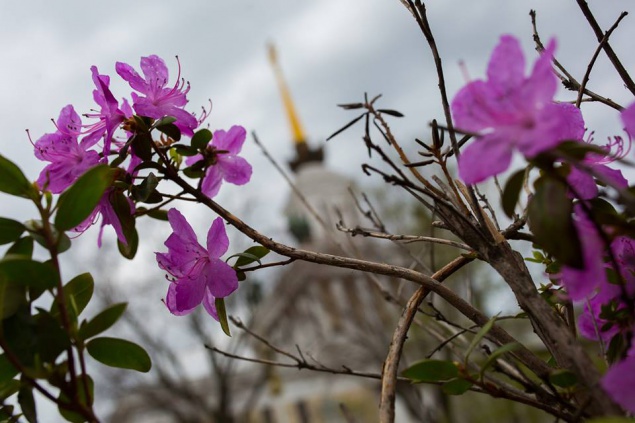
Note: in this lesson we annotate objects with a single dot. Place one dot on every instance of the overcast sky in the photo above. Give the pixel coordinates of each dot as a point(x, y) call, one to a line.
point(331, 51)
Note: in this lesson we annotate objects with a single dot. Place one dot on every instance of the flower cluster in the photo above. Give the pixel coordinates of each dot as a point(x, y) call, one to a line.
point(510, 111)
point(118, 130)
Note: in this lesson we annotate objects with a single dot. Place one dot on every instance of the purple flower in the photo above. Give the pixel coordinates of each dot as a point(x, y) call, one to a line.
point(69, 159)
point(108, 217)
point(628, 118)
point(510, 111)
point(158, 100)
point(591, 325)
point(110, 116)
point(199, 274)
point(224, 163)
point(619, 381)
point(581, 283)
point(581, 178)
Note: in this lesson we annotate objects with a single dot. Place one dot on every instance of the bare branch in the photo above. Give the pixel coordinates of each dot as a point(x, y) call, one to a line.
point(599, 48)
point(406, 238)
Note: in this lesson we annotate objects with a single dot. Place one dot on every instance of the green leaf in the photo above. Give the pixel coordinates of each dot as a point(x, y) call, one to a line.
point(12, 296)
point(511, 192)
point(142, 145)
point(22, 247)
point(102, 321)
point(78, 201)
point(13, 181)
point(158, 214)
point(142, 123)
point(497, 353)
point(7, 370)
point(195, 171)
point(616, 349)
point(201, 139)
point(479, 335)
point(9, 388)
point(120, 353)
point(121, 205)
point(30, 273)
point(250, 255)
point(63, 243)
point(184, 150)
point(563, 378)
point(163, 121)
point(456, 386)
point(222, 315)
point(10, 230)
point(129, 250)
point(171, 130)
point(578, 150)
point(551, 222)
point(51, 339)
point(27, 403)
point(142, 191)
point(72, 416)
point(19, 333)
point(154, 198)
point(431, 371)
point(77, 294)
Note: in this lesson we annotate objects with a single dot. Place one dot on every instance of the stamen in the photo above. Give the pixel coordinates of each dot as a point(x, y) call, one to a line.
point(205, 113)
point(28, 134)
point(464, 71)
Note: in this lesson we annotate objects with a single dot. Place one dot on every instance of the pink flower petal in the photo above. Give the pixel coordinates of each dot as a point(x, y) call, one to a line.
point(69, 121)
point(471, 109)
point(542, 84)
point(181, 227)
point(217, 241)
point(628, 119)
point(235, 169)
point(506, 67)
point(155, 72)
point(231, 141)
point(221, 279)
point(619, 383)
point(212, 181)
point(209, 303)
point(483, 158)
point(612, 176)
point(130, 75)
point(580, 283)
point(193, 159)
point(582, 183)
point(185, 295)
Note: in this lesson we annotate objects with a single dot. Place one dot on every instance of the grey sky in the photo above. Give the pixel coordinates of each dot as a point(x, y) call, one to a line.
point(331, 51)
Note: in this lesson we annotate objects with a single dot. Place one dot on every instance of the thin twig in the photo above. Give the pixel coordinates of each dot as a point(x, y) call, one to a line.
point(599, 34)
point(291, 184)
point(567, 79)
point(406, 238)
point(263, 266)
point(391, 364)
point(599, 48)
